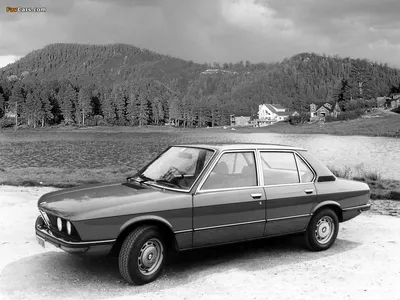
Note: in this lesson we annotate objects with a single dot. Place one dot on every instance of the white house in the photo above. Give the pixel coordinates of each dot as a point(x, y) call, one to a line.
point(241, 121)
point(272, 113)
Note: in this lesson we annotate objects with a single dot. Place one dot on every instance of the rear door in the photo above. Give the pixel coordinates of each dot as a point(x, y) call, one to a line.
point(230, 205)
point(290, 191)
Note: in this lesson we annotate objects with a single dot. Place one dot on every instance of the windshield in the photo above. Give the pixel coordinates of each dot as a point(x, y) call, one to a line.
point(178, 167)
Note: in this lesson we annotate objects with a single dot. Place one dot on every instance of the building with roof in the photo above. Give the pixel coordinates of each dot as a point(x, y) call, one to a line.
point(272, 113)
point(326, 109)
point(381, 101)
point(240, 121)
point(391, 102)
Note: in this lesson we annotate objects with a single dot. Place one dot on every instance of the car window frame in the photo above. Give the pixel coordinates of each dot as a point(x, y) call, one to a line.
point(188, 190)
point(296, 157)
point(200, 189)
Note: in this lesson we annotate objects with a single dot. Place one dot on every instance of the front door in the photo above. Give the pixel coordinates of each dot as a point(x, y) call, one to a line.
point(290, 192)
point(230, 205)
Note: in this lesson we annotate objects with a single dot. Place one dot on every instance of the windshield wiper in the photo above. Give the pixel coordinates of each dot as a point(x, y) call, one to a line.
point(142, 178)
point(163, 181)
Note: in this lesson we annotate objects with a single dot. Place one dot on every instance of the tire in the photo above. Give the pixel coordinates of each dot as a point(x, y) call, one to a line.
point(322, 230)
point(142, 255)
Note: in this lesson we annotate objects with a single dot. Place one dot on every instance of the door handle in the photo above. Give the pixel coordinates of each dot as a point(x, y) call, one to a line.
point(256, 196)
point(309, 191)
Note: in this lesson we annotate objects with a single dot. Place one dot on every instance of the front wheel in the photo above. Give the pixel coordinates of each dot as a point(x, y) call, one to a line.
point(322, 230)
point(142, 255)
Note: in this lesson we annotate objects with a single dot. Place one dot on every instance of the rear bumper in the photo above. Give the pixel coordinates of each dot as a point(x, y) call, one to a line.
point(92, 248)
point(352, 212)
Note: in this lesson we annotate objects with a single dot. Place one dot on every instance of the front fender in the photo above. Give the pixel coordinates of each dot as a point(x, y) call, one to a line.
point(145, 218)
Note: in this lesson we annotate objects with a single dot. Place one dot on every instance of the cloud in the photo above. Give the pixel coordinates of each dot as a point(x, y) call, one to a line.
point(212, 30)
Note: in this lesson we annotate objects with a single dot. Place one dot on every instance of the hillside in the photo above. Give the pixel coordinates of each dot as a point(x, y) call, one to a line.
point(101, 64)
point(126, 85)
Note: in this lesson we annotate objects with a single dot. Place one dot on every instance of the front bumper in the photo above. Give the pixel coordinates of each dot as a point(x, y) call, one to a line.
point(92, 248)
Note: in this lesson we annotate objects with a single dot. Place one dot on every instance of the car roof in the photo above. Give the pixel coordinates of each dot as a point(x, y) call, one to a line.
point(240, 146)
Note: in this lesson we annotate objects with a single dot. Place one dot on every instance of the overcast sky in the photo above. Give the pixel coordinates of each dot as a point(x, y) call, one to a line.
point(210, 30)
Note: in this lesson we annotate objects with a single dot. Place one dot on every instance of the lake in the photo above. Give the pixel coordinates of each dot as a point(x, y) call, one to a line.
point(71, 149)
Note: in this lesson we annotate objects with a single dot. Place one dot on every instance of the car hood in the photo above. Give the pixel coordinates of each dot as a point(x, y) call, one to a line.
point(103, 200)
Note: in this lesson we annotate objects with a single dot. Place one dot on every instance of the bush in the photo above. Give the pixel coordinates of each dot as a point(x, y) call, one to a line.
point(67, 123)
point(302, 118)
point(396, 110)
point(346, 115)
point(6, 123)
point(345, 173)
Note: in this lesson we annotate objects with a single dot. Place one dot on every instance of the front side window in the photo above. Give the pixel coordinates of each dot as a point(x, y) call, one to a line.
point(178, 167)
point(233, 170)
point(279, 168)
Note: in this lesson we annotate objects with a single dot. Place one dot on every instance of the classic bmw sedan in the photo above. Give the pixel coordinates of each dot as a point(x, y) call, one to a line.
point(201, 195)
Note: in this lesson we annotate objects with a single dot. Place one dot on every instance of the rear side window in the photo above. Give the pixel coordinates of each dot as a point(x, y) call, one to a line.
point(306, 174)
point(279, 168)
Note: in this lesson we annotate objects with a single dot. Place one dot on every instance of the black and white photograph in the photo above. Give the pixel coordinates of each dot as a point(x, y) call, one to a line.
point(199, 149)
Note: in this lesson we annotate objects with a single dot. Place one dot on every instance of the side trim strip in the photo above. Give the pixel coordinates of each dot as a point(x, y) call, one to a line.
point(183, 231)
point(229, 225)
point(362, 207)
point(286, 218)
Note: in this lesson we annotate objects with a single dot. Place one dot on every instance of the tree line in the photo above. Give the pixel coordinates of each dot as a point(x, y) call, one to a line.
point(128, 86)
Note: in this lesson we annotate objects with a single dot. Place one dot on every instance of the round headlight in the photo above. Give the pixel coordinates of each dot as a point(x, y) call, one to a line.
point(59, 224)
point(69, 227)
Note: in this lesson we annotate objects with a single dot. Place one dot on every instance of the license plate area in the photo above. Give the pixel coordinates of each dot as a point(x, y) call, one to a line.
point(41, 241)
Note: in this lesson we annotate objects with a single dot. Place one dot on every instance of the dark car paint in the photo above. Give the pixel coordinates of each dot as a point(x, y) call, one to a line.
point(102, 211)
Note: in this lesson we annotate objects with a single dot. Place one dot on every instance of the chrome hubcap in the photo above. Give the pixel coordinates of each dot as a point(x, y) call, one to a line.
point(150, 256)
point(324, 230)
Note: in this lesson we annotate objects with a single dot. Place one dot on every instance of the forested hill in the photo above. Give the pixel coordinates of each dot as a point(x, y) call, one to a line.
point(103, 64)
point(125, 85)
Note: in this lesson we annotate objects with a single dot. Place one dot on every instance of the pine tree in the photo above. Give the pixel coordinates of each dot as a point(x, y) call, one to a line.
point(143, 109)
point(28, 108)
point(155, 116)
point(16, 100)
point(67, 99)
point(107, 107)
point(119, 100)
point(133, 107)
point(2, 105)
point(174, 110)
point(46, 107)
point(83, 104)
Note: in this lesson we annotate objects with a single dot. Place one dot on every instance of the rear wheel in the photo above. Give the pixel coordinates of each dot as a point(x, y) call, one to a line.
point(322, 230)
point(142, 255)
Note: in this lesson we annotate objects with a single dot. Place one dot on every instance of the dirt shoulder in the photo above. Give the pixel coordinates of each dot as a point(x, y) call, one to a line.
point(362, 264)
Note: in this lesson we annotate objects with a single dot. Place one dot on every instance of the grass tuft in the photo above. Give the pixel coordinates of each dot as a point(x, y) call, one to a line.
point(384, 189)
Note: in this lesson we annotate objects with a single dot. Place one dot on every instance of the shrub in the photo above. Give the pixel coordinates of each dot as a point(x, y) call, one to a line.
point(396, 110)
point(341, 173)
point(302, 118)
point(371, 176)
point(6, 123)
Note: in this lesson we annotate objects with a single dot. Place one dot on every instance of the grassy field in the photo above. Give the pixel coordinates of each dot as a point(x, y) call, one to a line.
point(378, 123)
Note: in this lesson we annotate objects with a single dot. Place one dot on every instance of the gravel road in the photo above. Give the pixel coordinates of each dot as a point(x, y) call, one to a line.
point(364, 263)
